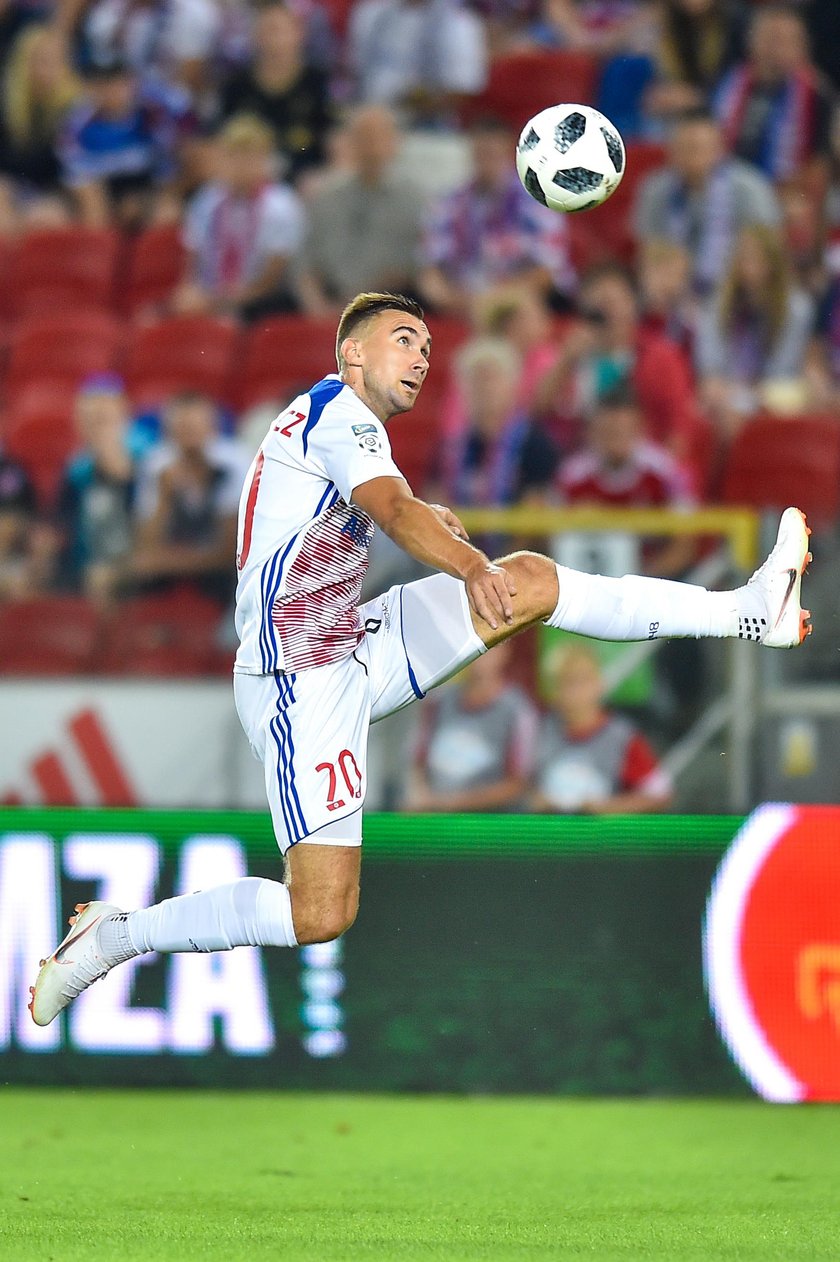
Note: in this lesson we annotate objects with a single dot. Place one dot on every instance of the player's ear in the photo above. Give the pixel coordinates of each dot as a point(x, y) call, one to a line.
point(351, 350)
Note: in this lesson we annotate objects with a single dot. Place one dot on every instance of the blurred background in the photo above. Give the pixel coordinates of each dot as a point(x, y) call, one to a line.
point(190, 190)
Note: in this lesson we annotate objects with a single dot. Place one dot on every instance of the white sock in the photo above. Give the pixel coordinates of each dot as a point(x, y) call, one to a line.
point(634, 608)
point(249, 912)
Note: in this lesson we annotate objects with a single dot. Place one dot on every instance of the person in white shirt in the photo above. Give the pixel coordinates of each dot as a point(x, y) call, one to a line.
point(314, 668)
point(241, 230)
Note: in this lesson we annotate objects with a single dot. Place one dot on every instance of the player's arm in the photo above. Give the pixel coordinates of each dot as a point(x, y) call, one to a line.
point(421, 531)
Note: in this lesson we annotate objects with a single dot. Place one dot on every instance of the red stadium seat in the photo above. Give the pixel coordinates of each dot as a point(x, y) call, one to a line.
point(169, 634)
point(39, 432)
point(65, 269)
point(775, 461)
point(181, 353)
point(522, 84)
point(155, 266)
point(447, 336)
point(284, 355)
point(61, 350)
point(56, 635)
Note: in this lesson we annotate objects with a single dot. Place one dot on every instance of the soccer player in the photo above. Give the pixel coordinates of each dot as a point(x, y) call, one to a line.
point(314, 669)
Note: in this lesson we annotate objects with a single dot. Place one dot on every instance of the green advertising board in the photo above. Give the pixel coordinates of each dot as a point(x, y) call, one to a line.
point(491, 953)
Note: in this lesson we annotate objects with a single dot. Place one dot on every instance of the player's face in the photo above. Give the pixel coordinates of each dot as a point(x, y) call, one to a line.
point(394, 353)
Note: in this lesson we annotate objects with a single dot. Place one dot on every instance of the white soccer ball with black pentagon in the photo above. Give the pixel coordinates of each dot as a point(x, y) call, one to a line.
point(570, 157)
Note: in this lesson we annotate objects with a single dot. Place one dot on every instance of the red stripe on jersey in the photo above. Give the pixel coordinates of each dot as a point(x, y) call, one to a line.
point(317, 617)
point(250, 506)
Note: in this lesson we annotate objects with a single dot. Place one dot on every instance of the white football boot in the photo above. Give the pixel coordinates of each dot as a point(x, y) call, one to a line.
point(75, 964)
point(778, 582)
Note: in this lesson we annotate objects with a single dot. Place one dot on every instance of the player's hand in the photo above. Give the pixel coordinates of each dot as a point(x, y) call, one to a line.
point(450, 520)
point(489, 589)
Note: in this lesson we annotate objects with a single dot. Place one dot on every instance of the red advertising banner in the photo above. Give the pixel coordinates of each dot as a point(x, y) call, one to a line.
point(772, 951)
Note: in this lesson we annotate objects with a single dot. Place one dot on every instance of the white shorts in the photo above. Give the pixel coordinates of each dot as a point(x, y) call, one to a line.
point(309, 728)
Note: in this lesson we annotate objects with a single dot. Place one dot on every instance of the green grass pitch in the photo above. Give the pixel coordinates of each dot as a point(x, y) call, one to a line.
point(95, 1176)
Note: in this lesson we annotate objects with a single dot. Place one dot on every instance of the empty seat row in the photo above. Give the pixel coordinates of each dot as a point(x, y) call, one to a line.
point(78, 268)
point(171, 634)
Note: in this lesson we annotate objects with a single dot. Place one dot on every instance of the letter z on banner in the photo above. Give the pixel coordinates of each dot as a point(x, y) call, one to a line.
point(772, 951)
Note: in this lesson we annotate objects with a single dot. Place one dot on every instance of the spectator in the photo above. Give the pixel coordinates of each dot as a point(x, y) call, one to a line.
point(702, 198)
point(522, 316)
point(241, 230)
point(39, 87)
point(667, 296)
point(476, 748)
point(502, 455)
point(24, 548)
point(283, 90)
point(592, 761)
point(187, 502)
point(417, 55)
point(775, 108)
point(609, 345)
point(698, 41)
point(97, 494)
point(620, 468)
point(173, 39)
point(364, 226)
point(752, 337)
point(490, 233)
point(119, 149)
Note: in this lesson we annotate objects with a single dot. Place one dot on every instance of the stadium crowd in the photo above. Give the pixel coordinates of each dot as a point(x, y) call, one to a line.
point(190, 190)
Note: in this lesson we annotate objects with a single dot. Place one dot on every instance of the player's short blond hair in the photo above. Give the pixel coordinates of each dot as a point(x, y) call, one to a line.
point(246, 131)
point(363, 308)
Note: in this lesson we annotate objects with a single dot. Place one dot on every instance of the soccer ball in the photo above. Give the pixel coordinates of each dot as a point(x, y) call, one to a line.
point(570, 157)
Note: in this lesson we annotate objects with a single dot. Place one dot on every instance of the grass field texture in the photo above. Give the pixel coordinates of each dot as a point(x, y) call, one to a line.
point(88, 1175)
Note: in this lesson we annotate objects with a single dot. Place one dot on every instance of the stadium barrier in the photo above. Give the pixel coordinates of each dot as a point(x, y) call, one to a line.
point(492, 953)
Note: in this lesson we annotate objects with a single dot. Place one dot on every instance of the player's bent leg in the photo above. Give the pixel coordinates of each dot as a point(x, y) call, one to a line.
point(324, 885)
point(537, 591)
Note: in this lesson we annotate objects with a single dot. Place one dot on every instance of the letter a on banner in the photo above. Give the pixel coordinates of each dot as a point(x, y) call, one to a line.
point(226, 984)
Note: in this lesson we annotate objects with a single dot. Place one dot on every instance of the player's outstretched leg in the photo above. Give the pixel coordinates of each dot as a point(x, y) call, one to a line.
point(248, 912)
point(767, 609)
point(318, 904)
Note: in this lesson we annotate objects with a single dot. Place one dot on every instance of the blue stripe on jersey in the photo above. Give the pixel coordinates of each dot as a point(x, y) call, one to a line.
point(320, 395)
point(412, 678)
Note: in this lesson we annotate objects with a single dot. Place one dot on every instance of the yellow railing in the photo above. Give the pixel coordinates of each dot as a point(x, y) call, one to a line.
point(737, 525)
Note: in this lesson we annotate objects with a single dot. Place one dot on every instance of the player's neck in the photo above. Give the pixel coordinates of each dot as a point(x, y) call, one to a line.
point(378, 407)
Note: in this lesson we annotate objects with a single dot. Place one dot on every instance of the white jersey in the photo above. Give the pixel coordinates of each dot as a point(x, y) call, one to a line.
point(302, 548)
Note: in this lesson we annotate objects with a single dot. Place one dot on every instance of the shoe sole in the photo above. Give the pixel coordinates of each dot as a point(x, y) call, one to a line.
point(81, 908)
point(805, 625)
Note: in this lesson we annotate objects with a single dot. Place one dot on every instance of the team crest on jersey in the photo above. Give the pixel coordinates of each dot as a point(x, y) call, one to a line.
point(367, 437)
